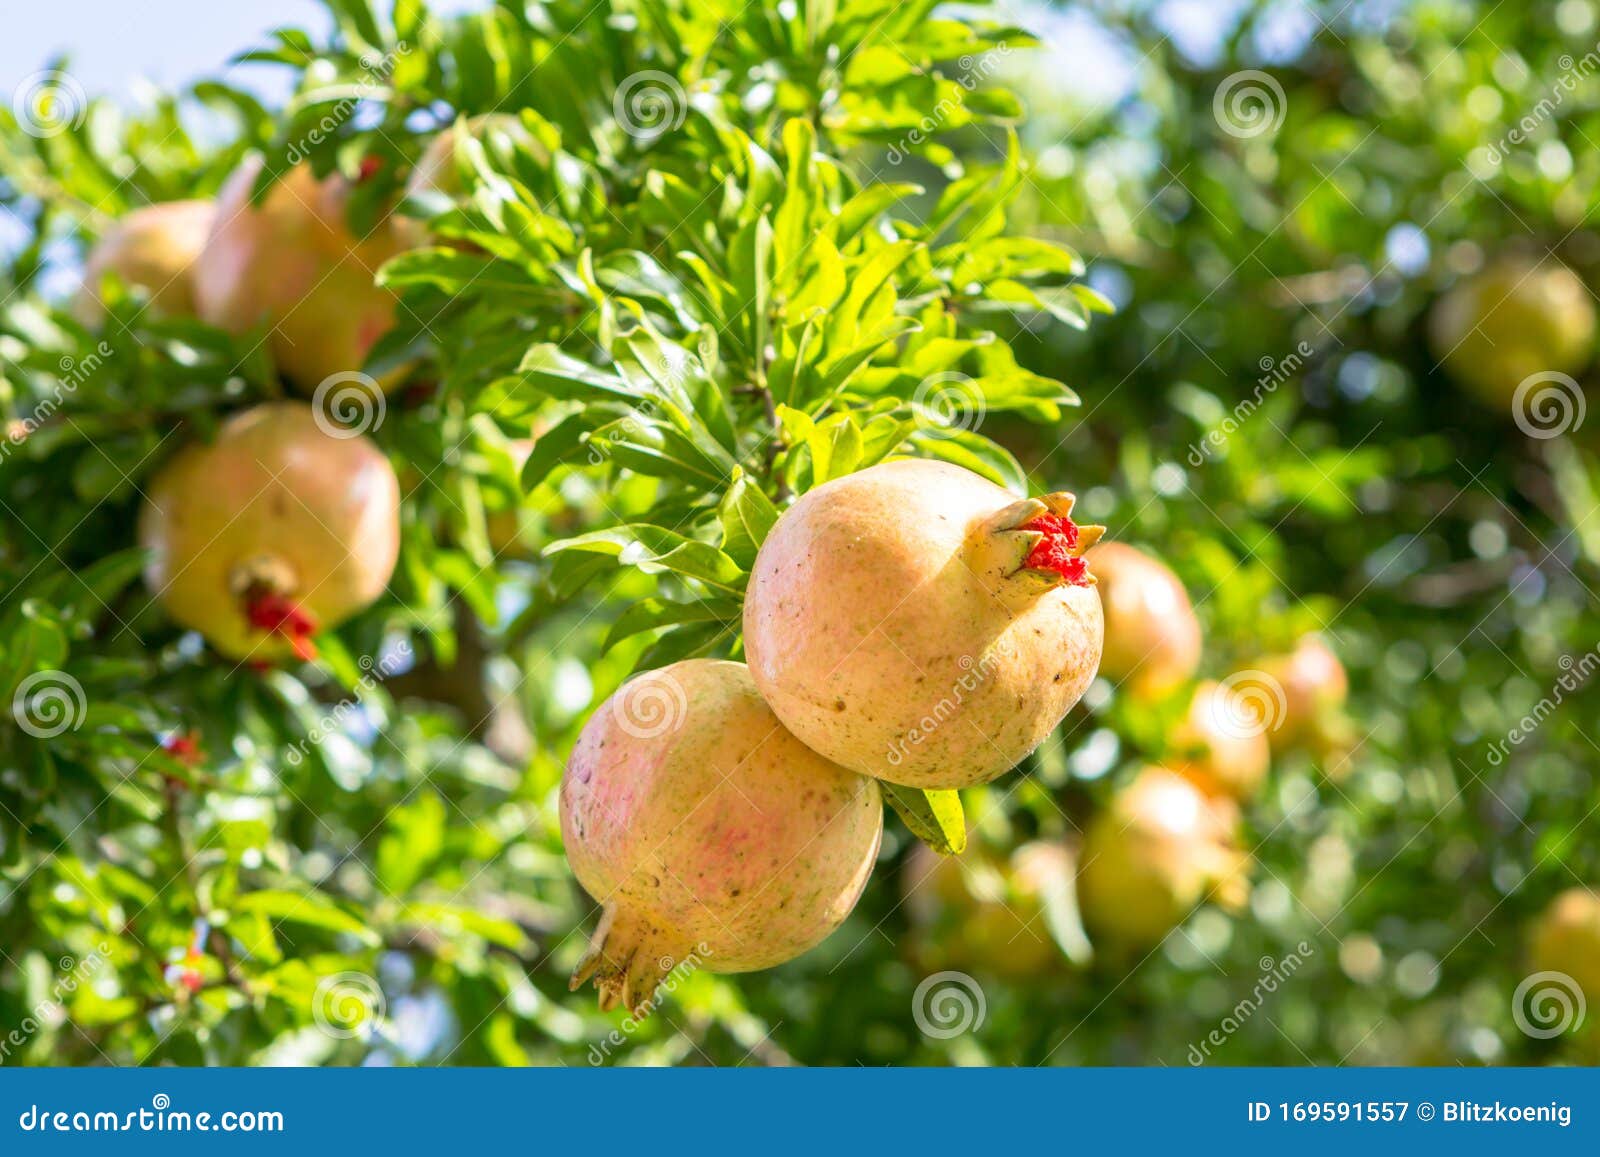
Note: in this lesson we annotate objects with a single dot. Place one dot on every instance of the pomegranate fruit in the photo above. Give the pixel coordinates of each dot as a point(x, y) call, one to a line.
point(1566, 939)
point(1159, 849)
point(1221, 745)
point(919, 624)
point(291, 264)
point(1152, 634)
point(1516, 318)
point(709, 834)
point(152, 248)
point(1314, 689)
point(274, 531)
point(984, 912)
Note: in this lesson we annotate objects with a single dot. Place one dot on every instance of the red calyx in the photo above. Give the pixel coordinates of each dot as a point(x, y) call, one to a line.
point(278, 615)
point(1054, 552)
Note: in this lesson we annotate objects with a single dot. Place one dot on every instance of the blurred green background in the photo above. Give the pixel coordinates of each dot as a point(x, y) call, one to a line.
point(1273, 195)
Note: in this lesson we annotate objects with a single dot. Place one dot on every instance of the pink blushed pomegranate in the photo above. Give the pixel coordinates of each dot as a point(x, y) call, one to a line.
point(1221, 744)
point(1314, 687)
point(291, 264)
point(709, 835)
point(917, 623)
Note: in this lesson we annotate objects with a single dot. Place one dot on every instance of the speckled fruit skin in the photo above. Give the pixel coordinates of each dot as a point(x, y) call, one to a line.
point(1516, 318)
point(276, 499)
point(291, 264)
point(1222, 752)
point(1152, 635)
point(892, 626)
point(1566, 939)
point(707, 832)
point(1315, 688)
point(1148, 859)
point(152, 248)
point(985, 913)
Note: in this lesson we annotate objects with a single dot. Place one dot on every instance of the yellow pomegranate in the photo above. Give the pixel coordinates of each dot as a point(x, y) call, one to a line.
point(1152, 634)
point(1566, 940)
point(275, 530)
point(1160, 848)
point(1517, 318)
point(1221, 745)
point(710, 836)
point(292, 265)
point(919, 624)
point(152, 248)
point(986, 913)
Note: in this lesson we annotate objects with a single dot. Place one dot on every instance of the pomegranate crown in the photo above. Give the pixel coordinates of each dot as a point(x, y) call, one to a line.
point(1035, 539)
point(264, 586)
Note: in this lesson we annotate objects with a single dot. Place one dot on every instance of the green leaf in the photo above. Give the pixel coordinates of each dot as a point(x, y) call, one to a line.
point(976, 453)
point(867, 206)
point(747, 515)
point(653, 614)
point(451, 920)
point(653, 549)
point(311, 909)
point(934, 817)
point(414, 839)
